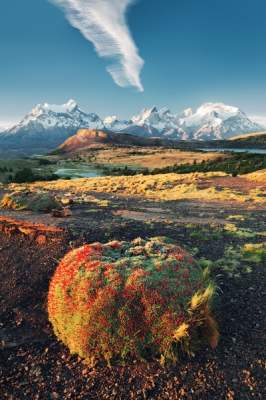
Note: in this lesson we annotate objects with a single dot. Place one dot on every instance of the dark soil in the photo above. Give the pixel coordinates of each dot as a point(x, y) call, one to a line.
point(34, 365)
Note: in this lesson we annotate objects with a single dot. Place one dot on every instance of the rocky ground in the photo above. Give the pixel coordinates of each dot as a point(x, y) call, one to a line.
point(33, 365)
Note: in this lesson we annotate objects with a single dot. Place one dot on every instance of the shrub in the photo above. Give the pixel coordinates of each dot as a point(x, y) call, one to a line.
point(24, 175)
point(139, 299)
point(12, 201)
point(29, 201)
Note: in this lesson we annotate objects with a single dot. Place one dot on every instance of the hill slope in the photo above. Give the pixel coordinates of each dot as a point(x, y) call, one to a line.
point(91, 138)
point(256, 138)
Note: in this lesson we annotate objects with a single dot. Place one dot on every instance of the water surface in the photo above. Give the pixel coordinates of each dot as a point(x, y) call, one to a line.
point(235, 150)
point(79, 172)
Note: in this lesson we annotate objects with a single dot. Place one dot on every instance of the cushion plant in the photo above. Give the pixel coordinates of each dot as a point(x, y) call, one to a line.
point(145, 298)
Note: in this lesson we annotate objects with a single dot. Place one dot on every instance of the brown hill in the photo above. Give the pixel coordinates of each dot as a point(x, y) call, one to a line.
point(90, 138)
point(85, 138)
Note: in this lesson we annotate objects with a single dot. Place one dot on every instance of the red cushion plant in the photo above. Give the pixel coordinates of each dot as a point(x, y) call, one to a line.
point(138, 299)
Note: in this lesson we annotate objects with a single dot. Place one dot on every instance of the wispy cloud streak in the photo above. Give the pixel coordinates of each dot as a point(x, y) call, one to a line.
point(103, 22)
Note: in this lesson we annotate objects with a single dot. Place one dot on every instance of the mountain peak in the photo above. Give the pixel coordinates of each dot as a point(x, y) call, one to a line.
point(71, 104)
point(216, 121)
point(153, 109)
point(68, 107)
point(53, 122)
point(219, 108)
point(110, 120)
point(187, 112)
point(145, 115)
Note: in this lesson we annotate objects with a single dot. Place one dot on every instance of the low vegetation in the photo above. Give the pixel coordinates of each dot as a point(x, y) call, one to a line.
point(173, 186)
point(26, 170)
point(145, 158)
point(36, 202)
point(236, 260)
point(254, 252)
point(236, 164)
point(138, 299)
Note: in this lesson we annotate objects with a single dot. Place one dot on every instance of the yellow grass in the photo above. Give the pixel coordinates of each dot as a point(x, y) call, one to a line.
point(181, 332)
point(200, 298)
point(193, 186)
point(150, 157)
point(258, 176)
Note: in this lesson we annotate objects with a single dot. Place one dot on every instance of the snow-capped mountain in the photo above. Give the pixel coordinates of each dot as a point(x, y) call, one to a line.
point(151, 122)
point(216, 121)
point(47, 126)
point(4, 126)
point(259, 119)
point(114, 124)
point(209, 121)
point(157, 122)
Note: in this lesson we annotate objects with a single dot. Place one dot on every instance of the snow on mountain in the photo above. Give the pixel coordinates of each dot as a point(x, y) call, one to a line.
point(4, 126)
point(156, 122)
point(209, 121)
point(187, 113)
point(216, 121)
point(49, 125)
point(259, 119)
point(67, 116)
point(114, 124)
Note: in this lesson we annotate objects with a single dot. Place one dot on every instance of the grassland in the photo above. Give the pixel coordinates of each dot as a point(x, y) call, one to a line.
point(37, 169)
point(235, 164)
point(109, 160)
point(212, 186)
point(144, 157)
point(116, 161)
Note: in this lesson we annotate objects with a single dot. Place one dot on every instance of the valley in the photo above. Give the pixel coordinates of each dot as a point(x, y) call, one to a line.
point(98, 162)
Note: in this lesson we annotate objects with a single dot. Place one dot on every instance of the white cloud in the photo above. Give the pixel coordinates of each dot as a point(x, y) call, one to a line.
point(260, 119)
point(103, 22)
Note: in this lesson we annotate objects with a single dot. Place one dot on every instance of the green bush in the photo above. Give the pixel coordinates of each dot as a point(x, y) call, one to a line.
point(24, 175)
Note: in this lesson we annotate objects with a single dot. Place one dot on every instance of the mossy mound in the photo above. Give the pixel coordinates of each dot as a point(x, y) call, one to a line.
point(145, 298)
point(37, 202)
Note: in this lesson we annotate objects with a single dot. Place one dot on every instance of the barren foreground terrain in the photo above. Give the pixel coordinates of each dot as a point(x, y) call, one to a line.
point(219, 219)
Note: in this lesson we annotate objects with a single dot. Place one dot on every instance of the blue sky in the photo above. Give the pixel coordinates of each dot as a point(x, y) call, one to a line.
point(194, 51)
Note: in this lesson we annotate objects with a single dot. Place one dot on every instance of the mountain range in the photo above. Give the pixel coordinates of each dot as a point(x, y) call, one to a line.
point(47, 126)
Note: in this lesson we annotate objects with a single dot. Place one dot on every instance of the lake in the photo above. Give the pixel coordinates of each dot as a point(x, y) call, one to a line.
point(235, 150)
point(79, 172)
